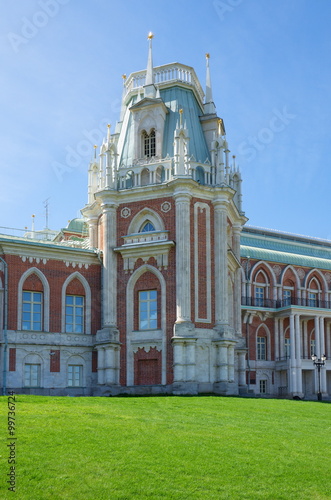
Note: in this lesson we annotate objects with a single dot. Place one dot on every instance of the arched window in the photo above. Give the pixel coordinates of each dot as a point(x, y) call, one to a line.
point(129, 180)
point(144, 177)
point(149, 143)
point(200, 175)
point(159, 174)
point(147, 227)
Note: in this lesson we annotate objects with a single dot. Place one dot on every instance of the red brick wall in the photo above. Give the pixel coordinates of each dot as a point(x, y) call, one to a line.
point(12, 359)
point(147, 367)
point(54, 361)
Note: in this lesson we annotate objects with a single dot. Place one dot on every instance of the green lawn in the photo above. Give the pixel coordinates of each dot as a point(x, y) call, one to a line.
point(168, 448)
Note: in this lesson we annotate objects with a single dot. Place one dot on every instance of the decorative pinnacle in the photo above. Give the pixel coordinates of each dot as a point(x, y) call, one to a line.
point(180, 117)
point(124, 76)
point(207, 55)
point(150, 36)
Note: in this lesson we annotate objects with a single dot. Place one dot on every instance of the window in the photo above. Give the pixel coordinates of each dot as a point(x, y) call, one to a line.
point(312, 299)
point(32, 375)
point(261, 348)
point(74, 314)
point(147, 227)
point(75, 375)
point(312, 347)
point(148, 310)
point(149, 144)
point(32, 311)
point(287, 296)
point(263, 387)
point(259, 296)
point(287, 348)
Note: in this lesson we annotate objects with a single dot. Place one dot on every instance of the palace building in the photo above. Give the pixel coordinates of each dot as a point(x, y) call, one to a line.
point(160, 288)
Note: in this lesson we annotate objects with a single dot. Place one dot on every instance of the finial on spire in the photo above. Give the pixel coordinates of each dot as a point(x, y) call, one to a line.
point(149, 74)
point(95, 151)
point(209, 96)
point(181, 118)
point(108, 132)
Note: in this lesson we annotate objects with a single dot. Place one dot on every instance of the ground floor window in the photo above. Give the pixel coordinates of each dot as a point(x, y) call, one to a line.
point(75, 375)
point(31, 375)
point(263, 387)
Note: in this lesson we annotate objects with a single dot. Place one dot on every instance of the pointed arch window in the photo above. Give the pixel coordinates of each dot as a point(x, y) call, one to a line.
point(149, 143)
point(147, 227)
point(32, 311)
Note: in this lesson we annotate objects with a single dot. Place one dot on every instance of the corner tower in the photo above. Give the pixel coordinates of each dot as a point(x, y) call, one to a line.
point(165, 210)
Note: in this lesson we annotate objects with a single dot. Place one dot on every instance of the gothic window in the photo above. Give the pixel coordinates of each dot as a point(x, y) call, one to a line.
point(149, 143)
point(312, 344)
point(74, 314)
point(32, 305)
point(144, 177)
point(129, 180)
point(259, 296)
point(200, 175)
point(261, 348)
point(287, 296)
point(31, 375)
point(287, 345)
point(148, 310)
point(312, 299)
point(147, 227)
point(75, 375)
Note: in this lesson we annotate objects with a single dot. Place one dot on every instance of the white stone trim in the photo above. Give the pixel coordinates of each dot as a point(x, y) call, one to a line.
point(146, 214)
point(87, 305)
point(201, 207)
point(46, 297)
point(129, 323)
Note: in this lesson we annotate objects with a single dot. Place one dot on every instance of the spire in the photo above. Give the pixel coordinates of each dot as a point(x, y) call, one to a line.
point(209, 103)
point(149, 87)
point(209, 94)
point(149, 74)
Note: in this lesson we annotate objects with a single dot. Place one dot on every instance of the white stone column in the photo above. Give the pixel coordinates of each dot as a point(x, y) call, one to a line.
point(242, 367)
point(221, 268)
point(93, 231)
point(178, 365)
point(101, 365)
point(109, 266)
point(322, 348)
point(109, 364)
point(306, 350)
point(281, 339)
point(317, 337)
point(231, 363)
point(276, 336)
point(298, 352)
point(293, 379)
point(223, 363)
point(237, 282)
point(183, 250)
point(190, 361)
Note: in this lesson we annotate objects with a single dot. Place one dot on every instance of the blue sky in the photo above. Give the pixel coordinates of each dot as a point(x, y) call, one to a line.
point(62, 62)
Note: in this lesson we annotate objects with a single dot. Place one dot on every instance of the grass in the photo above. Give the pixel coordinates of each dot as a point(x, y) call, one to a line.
point(168, 448)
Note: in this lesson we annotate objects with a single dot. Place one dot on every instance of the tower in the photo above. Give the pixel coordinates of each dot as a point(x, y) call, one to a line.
point(164, 208)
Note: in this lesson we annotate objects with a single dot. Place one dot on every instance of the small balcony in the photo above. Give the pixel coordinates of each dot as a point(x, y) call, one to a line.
point(288, 302)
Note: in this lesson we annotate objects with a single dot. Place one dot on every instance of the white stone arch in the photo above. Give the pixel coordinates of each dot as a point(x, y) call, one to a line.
point(295, 273)
point(263, 375)
point(145, 176)
point(130, 318)
point(33, 358)
point(76, 359)
point(308, 279)
point(88, 300)
point(270, 283)
point(43, 279)
point(144, 215)
point(264, 327)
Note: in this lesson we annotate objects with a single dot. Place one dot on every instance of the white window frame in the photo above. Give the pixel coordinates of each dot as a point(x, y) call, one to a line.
point(76, 309)
point(75, 375)
point(287, 295)
point(31, 371)
point(259, 300)
point(261, 348)
point(87, 302)
point(33, 302)
point(287, 347)
point(151, 307)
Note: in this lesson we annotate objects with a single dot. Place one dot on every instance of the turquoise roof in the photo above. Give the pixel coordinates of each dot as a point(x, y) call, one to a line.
point(291, 249)
point(176, 98)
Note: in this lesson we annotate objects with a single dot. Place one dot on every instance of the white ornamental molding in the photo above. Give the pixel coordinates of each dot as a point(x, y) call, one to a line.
point(80, 265)
point(125, 212)
point(147, 346)
point(166, 206)
point(301, 273)
point(38, 260)
point(277, 270)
